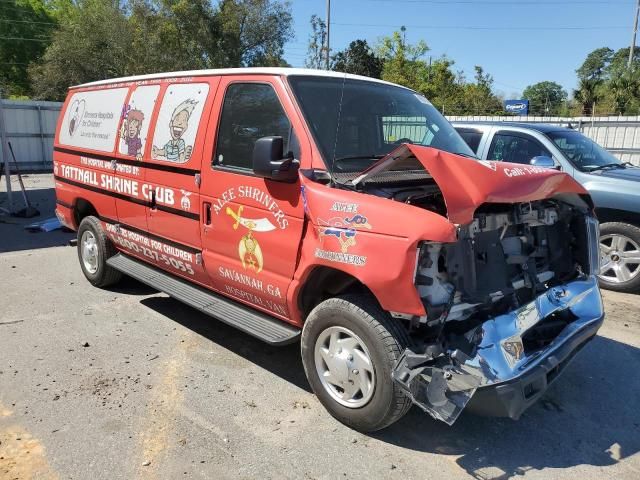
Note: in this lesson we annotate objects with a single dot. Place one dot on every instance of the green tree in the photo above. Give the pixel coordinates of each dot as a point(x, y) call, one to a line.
point(478, 97)
point(403, 63)
point(252, 32)
point(620, 61)
point(317, 50)
point(625, 90)
point(595, 65)
point(99, 39)
point(169, 35)
point(545, 98)
point(26, 28)
point(92, 43)
point(587, 94)
point(358, 59)
point(442, 86)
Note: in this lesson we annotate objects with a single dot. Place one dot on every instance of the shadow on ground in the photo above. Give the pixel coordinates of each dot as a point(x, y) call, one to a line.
point(13, 236)
point(588, 417)
point(283, 361)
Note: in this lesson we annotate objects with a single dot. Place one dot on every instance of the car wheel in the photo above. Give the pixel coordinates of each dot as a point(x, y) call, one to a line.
point(349, 348)
point(620, 257)
point(94, 248)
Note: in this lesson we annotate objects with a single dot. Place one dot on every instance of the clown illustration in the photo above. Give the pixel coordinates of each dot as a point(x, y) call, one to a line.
point(130, 133)
point(344, 229)
point(175, 150)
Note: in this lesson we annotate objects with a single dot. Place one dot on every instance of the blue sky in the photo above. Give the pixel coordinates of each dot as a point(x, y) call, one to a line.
point(515, 58)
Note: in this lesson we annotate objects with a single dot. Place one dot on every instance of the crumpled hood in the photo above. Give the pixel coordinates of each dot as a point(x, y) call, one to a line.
point(467, 183)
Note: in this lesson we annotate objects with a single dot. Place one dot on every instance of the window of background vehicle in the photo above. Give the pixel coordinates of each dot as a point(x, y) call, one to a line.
point(515, 149)
point(583, 152)
point(250, 111)
point(471, 136)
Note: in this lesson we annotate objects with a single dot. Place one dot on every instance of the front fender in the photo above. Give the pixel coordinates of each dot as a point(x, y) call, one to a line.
point(371, 238)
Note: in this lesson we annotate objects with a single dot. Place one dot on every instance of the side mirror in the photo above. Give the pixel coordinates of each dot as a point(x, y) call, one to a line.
point(268, 161)
point(543, 161)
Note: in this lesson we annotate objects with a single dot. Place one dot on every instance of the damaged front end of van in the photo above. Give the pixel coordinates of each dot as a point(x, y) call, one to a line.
point(511, 299)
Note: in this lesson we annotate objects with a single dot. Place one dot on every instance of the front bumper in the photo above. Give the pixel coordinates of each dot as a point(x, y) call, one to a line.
point(504, 377)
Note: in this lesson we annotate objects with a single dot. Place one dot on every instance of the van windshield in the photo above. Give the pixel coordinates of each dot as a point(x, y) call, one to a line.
point(585, 154)
point(374, 119)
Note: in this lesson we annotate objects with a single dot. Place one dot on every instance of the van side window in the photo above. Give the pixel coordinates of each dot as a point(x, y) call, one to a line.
point(178, 121)
point(515, 149)
point(250, 111)
point(91, 119)
point(136, 116)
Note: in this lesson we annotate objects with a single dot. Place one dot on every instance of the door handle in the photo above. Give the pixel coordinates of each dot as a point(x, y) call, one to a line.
point(207, 213)
point(153, 199)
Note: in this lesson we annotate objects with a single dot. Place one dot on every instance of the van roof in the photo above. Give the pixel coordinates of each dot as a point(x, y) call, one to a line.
point(280, 71)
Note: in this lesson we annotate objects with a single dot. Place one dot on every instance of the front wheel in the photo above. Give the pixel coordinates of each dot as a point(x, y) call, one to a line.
point(620, 257)
point(349, 348)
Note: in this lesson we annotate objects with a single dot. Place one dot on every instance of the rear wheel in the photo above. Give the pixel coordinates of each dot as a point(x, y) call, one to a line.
point(94, 248)
point(349, 348)
point(620, 257)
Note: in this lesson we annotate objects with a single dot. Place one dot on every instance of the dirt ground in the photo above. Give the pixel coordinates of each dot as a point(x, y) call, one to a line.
point(127, 383)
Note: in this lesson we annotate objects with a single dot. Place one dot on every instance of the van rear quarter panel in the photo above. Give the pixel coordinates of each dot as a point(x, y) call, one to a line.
point(78, 170)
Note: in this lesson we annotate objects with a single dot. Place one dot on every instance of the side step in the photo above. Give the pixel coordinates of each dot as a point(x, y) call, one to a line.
point(256, 324)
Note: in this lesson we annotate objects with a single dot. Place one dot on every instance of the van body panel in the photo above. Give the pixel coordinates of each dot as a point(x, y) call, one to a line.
point(370, 238)
point(253, 221)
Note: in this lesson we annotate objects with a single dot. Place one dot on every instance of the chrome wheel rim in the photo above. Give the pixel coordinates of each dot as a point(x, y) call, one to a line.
point(619, 258)
point(89, 252)
point(344, 366)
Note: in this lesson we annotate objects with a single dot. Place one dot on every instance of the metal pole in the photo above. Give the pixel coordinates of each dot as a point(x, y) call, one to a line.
point(5, 155)
point(329, 30)
point(43, 147)
point(633, 38)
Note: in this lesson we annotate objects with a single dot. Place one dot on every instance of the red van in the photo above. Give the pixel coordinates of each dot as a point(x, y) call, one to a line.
point(342, 212)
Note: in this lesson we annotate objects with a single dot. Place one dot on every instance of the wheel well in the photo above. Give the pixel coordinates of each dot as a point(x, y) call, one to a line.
point(613, 215)
point(326, 282)
point(83, 209)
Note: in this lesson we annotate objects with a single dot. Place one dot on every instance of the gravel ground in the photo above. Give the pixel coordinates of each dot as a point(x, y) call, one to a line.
point(127, 383)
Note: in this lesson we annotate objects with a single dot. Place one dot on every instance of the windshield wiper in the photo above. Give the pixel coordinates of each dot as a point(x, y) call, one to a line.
point(607, 165)
point(359, 157)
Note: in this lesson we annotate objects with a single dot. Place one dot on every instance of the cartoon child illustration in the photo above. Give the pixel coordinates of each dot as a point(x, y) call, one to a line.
point(175, 149)
point(130, 133)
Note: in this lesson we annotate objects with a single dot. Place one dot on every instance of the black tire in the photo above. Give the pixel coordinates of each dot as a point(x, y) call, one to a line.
point(104, 274)
point(632, 233)
point(385, 339)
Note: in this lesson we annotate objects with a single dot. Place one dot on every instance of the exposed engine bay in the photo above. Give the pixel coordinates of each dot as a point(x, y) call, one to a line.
point(503, 296)
point(507, 256)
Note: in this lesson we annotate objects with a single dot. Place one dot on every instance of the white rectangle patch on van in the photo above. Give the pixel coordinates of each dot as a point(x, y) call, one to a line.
point(91, 120)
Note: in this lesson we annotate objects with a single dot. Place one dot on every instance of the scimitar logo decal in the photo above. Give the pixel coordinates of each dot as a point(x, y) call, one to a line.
point(249, 249)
